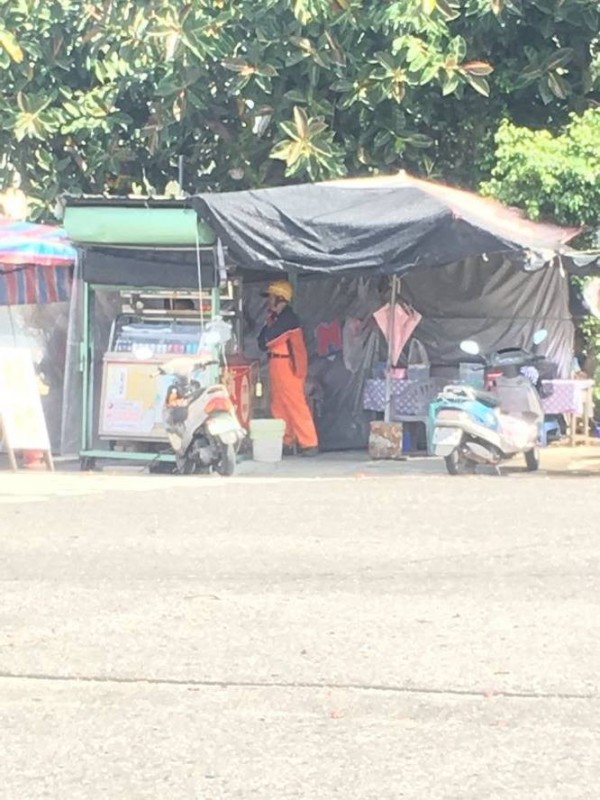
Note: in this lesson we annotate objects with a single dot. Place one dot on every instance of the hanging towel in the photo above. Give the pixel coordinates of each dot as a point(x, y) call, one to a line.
point(355, 336)
point(405, 320)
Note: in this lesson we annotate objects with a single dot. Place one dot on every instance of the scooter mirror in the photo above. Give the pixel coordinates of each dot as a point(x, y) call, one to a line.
point(182, 366)
point(470, 347)
point(540, 336)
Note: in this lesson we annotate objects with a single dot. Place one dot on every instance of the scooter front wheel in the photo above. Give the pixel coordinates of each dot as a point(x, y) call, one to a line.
point(227, 460)
point(185, 466)
point(457, 464)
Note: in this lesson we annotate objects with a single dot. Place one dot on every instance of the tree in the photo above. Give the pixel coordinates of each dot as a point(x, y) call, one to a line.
point(554, 177)
point(107, 94)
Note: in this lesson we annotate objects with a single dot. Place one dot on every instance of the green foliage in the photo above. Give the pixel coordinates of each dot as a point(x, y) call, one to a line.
point(308, 148)
point(551, 176)
point(104, 95)
point(555, 177)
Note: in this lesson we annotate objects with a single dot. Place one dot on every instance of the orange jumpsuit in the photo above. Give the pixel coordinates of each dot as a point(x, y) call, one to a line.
point(283, 340)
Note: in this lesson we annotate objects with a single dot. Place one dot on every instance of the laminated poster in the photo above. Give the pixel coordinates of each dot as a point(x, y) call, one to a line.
point(21, 414)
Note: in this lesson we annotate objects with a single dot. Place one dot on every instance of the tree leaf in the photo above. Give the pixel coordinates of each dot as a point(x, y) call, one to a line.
point(8, 41)
point(266, 70)
point(235, 64)
point(296, 96)
point(478, 83)
point(558, 86)
point(545, 91)
point(448, 10)
point(450, 84)
point(558, 59)
point(301, 121)
point(169, 85)
point(303, 44)
point(281, 150)
point(478, 68)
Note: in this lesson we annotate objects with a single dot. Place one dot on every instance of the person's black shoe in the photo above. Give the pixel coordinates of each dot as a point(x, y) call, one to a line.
point(309, 452)
point(289, 450)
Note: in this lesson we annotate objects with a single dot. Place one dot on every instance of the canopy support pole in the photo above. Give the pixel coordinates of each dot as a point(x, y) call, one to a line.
point(390, 337)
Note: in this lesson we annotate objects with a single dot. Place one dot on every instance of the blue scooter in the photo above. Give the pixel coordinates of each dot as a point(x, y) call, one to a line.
point(472, 426)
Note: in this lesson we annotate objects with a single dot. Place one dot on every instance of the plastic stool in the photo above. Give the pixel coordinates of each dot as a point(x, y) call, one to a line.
point(549, 426)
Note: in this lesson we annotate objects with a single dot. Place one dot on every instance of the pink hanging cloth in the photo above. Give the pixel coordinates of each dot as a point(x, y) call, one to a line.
point(404, 322)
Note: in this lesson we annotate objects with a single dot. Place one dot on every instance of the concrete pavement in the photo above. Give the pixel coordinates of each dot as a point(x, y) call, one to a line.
point(373, 633)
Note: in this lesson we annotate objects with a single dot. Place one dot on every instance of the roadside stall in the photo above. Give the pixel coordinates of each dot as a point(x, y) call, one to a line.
point(454, 264)
point(36, 268)
point(152, 286)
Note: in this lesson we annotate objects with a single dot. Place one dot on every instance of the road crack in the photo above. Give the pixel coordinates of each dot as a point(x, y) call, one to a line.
point(358, 687)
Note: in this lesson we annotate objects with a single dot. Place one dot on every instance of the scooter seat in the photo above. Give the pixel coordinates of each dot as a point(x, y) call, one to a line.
point(487, 398)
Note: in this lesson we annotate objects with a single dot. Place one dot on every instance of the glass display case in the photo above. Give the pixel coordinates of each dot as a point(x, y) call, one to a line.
point(133, 391)
point(154, 327)
point(155, 338)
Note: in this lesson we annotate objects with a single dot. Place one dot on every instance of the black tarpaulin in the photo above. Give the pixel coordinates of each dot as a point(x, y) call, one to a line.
point(147, 267)
point(387, 225)
point(583, 264)
point(495, 303)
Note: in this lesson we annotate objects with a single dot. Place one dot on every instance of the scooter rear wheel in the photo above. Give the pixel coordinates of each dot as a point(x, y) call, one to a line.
point(457, 464)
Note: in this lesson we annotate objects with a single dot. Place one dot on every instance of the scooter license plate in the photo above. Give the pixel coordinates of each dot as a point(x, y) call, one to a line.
point(447, 436)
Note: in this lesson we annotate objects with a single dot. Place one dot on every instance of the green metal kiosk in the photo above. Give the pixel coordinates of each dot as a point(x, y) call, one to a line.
point(168, 282)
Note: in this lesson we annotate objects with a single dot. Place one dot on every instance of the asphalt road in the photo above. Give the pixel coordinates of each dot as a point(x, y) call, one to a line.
point(364, 638)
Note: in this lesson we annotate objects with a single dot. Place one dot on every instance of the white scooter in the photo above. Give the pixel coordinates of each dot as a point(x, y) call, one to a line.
point(201, 423)
point(473, 426)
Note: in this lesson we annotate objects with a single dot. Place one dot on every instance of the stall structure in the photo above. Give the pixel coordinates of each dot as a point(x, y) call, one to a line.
point(36, 268)
point(36, 264)
point(153, 286)
point(469, 266)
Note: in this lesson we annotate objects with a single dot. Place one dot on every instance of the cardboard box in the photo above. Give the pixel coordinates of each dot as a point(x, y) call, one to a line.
point(385, 440)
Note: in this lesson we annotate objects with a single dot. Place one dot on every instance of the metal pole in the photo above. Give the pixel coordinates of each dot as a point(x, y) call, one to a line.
point(390, 337)
point(85, 366)
point(180, 173)
point(293, 279)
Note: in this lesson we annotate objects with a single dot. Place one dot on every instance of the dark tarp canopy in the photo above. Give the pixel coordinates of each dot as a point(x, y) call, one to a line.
point(461, 257)
point(147, 267)
point(584, 264)
point(389, 225)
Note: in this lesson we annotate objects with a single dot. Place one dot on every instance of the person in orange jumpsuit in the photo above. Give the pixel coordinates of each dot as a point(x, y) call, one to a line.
point(283, 341)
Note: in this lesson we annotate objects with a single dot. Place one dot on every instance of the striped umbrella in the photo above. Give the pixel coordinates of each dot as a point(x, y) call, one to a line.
point(35, 263)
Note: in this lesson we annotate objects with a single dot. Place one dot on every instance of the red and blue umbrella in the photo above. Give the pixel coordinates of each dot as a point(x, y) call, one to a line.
point(35, 263)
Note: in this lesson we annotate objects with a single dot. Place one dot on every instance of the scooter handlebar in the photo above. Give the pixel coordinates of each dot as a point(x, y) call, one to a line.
point(184, 366)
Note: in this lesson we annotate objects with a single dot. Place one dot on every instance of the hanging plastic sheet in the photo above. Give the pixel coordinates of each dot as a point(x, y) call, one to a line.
point(492, 301)
point(103, 311)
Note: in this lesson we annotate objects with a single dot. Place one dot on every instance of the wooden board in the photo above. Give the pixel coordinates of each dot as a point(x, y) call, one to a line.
point(22, 421)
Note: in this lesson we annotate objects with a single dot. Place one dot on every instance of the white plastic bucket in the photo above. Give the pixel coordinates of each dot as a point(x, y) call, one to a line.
point(267, 440)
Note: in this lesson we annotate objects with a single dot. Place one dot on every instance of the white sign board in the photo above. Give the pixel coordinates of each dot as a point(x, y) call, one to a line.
point(22, 421)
